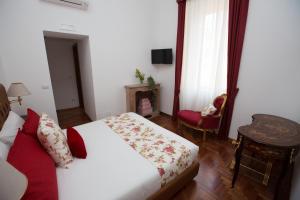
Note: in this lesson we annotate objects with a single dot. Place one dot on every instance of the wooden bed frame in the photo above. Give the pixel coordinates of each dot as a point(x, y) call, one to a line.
point(171, 188)
point(164, 193)
point(4, 105)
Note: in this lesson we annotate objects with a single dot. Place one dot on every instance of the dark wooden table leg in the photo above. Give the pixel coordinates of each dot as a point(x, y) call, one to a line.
point(283, 185)
point(238, 155)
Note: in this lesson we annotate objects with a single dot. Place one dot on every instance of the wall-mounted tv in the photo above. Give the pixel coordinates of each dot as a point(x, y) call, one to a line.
point(161, 56)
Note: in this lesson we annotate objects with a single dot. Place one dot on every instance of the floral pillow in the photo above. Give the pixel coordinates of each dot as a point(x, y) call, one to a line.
point(54, 141)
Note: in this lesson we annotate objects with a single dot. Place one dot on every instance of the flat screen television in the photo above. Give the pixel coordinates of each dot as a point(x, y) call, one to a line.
point(161, 56)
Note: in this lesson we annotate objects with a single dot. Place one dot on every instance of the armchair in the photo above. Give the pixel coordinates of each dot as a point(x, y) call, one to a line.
point(209, 123)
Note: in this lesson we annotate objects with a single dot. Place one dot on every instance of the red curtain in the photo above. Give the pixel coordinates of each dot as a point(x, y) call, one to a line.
point(238, 11)
point(179, 54)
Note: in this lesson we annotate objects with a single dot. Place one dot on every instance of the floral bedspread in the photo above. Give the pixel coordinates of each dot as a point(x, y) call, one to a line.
point(169, 156)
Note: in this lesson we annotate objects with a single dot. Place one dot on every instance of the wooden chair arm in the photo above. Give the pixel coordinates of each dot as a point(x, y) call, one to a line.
point(200, 122)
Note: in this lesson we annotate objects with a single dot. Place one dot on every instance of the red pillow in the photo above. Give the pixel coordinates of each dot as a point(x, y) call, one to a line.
point(31, 123)
point(29, 157)
point(76, 143)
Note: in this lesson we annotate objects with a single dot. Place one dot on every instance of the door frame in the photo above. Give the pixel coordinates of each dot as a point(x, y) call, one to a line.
point(78, 75)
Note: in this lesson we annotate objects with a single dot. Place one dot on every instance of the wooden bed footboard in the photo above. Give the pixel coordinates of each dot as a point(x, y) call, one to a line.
point(171, 188)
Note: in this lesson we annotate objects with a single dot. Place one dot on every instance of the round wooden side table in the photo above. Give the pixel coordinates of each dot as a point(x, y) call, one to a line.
point(272, 137)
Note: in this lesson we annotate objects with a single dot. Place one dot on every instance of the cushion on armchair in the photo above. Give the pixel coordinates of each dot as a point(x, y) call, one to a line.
point(208, 110)
point(192, 118)
point(189, 117)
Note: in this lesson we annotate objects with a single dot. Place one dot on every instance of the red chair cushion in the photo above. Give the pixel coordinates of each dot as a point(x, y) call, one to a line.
point(189, 117)
point(29, 157)
point(31, 123)
point(76, 143)
point(218, 102)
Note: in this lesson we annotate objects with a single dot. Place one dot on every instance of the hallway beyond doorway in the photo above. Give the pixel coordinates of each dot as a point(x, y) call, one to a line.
point(72, 117)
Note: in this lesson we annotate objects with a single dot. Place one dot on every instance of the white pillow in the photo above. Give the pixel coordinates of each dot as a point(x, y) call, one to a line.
point(208, 110)
point(10, 128)
point(4, 148)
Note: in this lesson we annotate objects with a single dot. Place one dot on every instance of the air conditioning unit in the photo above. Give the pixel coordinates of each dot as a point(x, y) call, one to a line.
point(81, 4)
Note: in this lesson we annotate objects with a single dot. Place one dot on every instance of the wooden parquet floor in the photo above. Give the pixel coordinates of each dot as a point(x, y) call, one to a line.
point(214, 177)
point(72, 117)
point(213, 181)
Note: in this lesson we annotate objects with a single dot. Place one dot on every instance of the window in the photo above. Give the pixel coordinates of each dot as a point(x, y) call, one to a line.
point(204, 69)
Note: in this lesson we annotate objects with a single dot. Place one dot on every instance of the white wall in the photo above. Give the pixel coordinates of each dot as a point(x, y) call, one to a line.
point(164, 36)
point(120, 41)
point(87, 78)
point(62, 72)
point(121, 45)
point(269, 73)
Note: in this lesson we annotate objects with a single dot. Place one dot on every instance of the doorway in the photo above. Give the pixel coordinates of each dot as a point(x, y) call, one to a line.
point(68, 85)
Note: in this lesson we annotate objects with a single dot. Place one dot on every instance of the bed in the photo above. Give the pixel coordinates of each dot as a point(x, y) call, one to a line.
point(114, 169)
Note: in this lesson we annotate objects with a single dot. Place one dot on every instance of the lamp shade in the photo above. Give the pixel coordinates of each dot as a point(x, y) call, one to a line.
point(17, 90)
point(13, 183)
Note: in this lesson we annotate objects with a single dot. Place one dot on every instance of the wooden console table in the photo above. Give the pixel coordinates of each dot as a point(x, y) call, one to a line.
point(275, 138)
point(131, 97)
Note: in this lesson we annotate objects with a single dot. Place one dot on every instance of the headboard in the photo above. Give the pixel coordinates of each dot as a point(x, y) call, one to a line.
point(4, 105)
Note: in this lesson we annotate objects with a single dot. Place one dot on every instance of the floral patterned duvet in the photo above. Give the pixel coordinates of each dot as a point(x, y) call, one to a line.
point(169, 156)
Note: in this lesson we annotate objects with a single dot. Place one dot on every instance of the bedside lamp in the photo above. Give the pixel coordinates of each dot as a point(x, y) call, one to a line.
point(13, 183)
point(17, 90)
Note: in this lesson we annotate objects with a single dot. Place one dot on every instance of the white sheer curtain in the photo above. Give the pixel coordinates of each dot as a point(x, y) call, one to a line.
point(204, 69)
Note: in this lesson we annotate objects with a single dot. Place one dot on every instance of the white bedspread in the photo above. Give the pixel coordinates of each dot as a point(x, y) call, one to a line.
point(112, 169)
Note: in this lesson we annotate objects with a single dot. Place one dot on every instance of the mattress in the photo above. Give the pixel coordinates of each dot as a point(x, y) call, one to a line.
point(112, 169)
